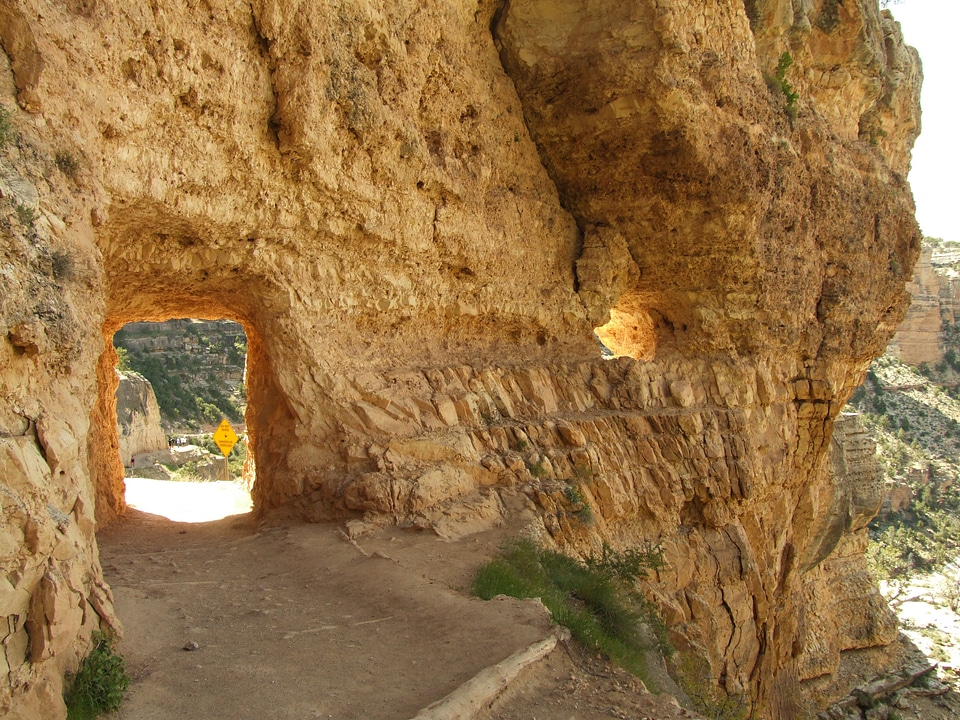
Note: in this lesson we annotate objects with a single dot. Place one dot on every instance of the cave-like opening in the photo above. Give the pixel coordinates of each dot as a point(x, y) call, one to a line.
point(181, 401)
point(266, 419)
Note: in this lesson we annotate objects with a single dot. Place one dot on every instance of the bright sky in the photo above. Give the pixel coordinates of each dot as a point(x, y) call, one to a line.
point(931, 27)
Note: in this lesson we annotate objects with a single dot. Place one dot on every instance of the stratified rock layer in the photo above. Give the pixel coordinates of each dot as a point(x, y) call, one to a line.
point(928, 330)
point(420, 211)
point(138, 417)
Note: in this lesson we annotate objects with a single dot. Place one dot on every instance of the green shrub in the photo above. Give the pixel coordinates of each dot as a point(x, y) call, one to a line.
point(100, 681)
point(602, 611)
point(536, 469)
point(628, 565)
point(26, 215)
point(789, 94)
point(574, 495)
point(123, 359)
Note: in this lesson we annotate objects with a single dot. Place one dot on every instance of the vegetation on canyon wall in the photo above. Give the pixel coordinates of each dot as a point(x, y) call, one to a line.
point(914, 414)
point(193, 367)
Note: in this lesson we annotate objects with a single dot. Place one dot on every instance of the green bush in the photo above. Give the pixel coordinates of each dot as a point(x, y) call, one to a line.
point(789, 94)
point(100, 681)
point(601, 609)
point(628, 565)
point(26, 215)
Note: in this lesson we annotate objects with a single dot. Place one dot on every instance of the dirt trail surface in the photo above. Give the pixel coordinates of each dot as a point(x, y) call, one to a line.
point(234, 619)
point(291, 622)
point(300, 622)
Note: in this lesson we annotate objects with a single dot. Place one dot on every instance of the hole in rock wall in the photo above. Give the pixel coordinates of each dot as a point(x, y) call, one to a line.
point(630, 331)
point(181, 401)
point(268, 423)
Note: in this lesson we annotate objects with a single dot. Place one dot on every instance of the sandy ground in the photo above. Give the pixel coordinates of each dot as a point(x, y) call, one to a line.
point(290, 623)
point(228, 619)
point(928, 620)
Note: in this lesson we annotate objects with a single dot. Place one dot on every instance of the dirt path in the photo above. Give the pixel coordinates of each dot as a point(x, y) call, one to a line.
point(291, 623)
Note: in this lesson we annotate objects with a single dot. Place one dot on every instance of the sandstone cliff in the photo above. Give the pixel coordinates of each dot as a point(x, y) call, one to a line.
point(929, 330)
point(420, 212)
point(138, 417)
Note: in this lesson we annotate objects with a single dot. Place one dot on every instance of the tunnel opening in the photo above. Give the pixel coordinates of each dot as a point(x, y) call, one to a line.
point(267, 422)
point(181, 401)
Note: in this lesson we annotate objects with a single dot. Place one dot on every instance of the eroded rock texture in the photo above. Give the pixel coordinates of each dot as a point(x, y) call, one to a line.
point(420, 211)
point(138, 417)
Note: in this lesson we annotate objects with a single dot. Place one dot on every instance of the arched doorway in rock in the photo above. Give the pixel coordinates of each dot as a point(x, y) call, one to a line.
point(179, 382)
point(268, 420)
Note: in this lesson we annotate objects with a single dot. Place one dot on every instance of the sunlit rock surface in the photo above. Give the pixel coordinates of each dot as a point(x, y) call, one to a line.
point(420, 212)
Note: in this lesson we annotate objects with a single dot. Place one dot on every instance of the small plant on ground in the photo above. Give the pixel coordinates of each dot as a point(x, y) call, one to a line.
point(67, 163)
point(601, 609)
point(26, 215)
point(7, 133)
point(574, 495)
point(536, 469)
point(581, 508)
point(100, 681)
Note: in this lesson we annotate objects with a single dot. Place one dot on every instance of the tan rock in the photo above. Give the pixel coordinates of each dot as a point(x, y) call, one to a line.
point(138, 417)
point(420, 222)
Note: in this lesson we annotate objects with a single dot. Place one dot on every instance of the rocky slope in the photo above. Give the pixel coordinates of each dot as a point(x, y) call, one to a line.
point(419, 212)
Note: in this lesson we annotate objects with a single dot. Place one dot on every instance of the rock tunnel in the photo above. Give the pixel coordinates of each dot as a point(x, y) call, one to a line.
point(271, 424)
point(420, 212)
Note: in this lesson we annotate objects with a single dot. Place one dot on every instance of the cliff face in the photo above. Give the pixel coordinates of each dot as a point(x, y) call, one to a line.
point(929, 329)
point(420, 211)
point(138, 417)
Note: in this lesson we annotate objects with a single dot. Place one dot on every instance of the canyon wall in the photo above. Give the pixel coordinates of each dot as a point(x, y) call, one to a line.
point(138, 418)
point(420, 212)
point(929, 329)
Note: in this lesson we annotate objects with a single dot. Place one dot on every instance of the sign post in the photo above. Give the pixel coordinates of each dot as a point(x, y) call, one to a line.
point(225, 438)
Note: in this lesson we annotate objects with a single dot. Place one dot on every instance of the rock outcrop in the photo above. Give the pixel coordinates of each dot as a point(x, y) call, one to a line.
point(138, 417)
point(420, 212)
point(918, 340)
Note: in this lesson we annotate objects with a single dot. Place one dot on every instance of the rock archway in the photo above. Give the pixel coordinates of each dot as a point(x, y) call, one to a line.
point(165, 285)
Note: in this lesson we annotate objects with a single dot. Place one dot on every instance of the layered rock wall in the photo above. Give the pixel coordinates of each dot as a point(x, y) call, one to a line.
point(929, 329)
point(420, 212)
point(138, 417)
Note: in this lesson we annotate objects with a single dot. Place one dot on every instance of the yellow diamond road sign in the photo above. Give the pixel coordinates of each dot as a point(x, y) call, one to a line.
point(225, 437)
